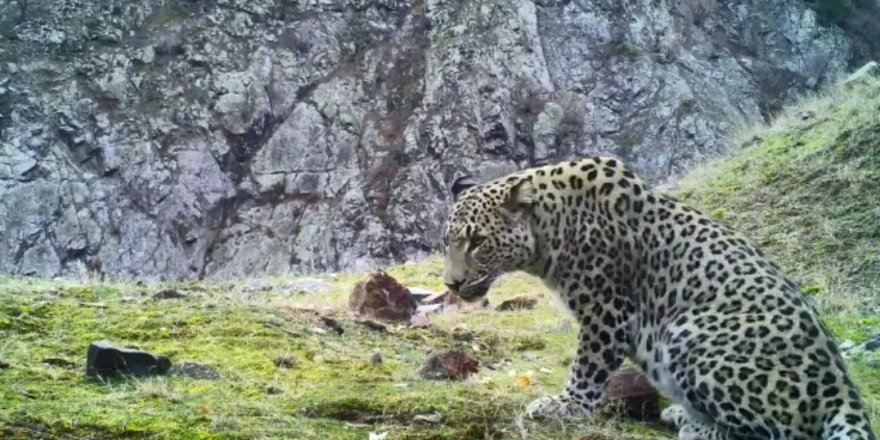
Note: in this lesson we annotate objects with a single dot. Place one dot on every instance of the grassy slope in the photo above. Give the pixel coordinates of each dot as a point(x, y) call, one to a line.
point(806, 189)
point(334, 392)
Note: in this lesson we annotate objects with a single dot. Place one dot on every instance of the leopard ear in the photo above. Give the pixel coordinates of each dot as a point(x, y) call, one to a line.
point(460, 184)
point(521, 195)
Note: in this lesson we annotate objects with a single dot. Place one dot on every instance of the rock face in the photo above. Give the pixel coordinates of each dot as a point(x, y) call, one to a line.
point(184, 139)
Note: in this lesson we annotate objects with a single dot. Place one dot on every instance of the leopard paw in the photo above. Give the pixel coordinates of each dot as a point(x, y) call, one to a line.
point(556, 407)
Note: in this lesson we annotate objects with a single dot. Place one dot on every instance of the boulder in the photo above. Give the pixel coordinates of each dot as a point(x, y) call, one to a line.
point(105, 359)
point(382, 297)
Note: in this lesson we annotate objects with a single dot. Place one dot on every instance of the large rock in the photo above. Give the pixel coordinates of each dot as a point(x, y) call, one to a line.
point(382, 297)
point(105, 359)
point(181, 139)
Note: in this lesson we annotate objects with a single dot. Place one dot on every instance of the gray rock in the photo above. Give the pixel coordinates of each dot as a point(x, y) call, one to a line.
point(180, 140)
point(105, 359)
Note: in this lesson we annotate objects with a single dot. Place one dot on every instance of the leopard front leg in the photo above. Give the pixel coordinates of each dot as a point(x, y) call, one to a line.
point(599, 354)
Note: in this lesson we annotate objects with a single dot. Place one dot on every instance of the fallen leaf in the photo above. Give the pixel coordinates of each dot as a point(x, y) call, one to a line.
point(524, 381)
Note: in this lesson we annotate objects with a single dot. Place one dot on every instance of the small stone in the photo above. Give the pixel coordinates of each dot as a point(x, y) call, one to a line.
point(195, 370)
point(517, 303)
point(872, 345)
point(376, 358)
point(429, 308)
point(3, 364)
point(420, 320)
point(421, 295)
point(274, 390)
point(437, 298)
point(332, 324)
point(846, 345)
point(94, 305)
point(168, 294)
point(629, 388)
point(105, 359)
point(428, 418)
point(373, 325)
point(285, 362)
point(454, 365)
point(382, 297)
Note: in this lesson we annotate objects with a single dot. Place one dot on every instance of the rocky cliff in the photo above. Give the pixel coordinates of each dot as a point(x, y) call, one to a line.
point(223, 138)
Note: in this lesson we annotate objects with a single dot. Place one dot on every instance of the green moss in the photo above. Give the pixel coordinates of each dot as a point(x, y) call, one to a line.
point(333, 391)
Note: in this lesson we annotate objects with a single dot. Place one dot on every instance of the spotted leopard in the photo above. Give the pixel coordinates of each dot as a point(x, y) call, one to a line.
point(711, 321)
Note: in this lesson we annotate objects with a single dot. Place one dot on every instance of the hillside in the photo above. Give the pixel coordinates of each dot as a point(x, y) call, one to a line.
point(806, 189)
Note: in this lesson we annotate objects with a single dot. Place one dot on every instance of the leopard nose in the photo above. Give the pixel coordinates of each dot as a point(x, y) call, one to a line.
point(453, 286)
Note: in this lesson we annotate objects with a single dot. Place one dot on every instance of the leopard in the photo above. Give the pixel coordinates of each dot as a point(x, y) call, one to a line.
point(710, 319)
